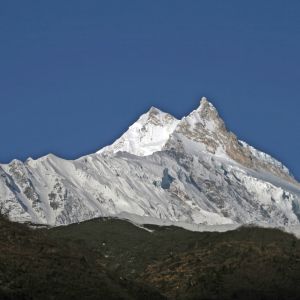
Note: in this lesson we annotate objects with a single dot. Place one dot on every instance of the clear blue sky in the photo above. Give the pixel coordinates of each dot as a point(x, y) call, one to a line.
point(75, 74)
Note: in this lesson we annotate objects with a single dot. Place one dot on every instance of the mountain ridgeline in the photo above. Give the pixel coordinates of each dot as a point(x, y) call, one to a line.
point(192, 170)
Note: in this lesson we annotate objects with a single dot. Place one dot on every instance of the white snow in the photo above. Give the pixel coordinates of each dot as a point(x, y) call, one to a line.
point(146, 136)
point(126, 179)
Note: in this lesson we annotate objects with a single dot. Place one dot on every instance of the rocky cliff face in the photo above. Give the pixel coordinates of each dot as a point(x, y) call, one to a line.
point(191, 170)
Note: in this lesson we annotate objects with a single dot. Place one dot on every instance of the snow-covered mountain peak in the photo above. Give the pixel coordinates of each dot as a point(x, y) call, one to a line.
point(205, 176)
point(205, 117)
point(156, 117)
point(203, 130)
point(205, 104)
point(147, 135)
point(154, 110)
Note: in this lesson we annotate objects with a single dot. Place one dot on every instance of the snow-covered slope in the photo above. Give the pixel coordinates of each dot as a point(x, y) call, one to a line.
point(193, 171)
point(147, 135)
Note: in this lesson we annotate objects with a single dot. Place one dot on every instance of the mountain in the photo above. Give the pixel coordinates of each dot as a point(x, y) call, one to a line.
point(204, 130)
point(191, 170)
point(146, 136)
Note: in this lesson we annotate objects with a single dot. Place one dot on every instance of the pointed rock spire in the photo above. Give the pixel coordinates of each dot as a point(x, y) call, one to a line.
point(208, 111)
point(202, 126)
point(204, 103)
point(204, 119)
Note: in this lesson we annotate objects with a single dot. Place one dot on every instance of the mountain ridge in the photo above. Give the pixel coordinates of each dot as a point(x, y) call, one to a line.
point(208, 117)
point(191, 170)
